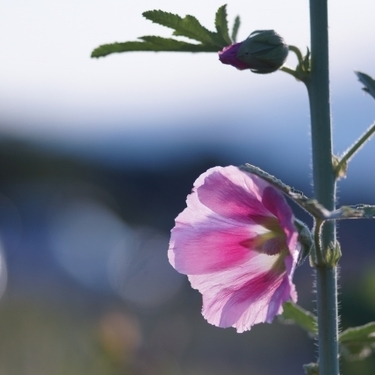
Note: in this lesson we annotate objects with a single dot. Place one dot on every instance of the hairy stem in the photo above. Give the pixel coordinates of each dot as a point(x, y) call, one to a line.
point(324, 185)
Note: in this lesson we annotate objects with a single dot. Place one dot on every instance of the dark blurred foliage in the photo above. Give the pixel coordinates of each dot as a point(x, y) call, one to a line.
point(89, 289)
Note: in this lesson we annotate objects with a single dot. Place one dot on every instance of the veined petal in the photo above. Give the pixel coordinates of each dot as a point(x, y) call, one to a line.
point(243, 296)
point(237, 243)
point(209, 247)
point(231, 194)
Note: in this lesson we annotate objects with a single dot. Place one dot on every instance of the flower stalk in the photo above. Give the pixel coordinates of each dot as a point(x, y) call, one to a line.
point(324, 185)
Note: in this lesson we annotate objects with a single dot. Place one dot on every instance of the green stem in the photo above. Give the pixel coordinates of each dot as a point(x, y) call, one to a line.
point(290, 71)
point(354, 148)
point(297, 52)
point(324, 185)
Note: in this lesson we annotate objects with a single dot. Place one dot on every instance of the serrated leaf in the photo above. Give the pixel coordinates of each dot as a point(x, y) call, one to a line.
point(221, 24)
point(192, 29)
point(188, 26)
point(364, 332)
point(107, 49)
point(297, 315)
point(359, 342)
point(311, 369)
point(235, 29)
point(170, 44)
point(166, 19)
point(368, 82)
point(151, 43)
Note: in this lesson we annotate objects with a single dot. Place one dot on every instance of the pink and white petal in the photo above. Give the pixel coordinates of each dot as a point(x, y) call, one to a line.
point(232, 194)
point(241, 296)
point(209, 247)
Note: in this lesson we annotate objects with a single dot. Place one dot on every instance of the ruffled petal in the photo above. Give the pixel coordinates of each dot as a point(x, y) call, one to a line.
point(232, 194)
point(237, 243)
point(243, 296)
point(209, 247)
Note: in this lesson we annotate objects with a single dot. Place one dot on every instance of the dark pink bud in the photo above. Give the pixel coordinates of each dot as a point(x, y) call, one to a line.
point(228, 55)
point(264, 51)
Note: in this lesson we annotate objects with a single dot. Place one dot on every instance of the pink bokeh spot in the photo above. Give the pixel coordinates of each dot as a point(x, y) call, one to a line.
point(237, 243)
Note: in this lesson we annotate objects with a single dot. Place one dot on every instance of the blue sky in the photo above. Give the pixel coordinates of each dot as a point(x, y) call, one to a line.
point(52, 92)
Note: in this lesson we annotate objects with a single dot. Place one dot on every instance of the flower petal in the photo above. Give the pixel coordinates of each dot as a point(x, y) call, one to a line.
point(246, 295)
point(208, 247)
point(237, 243)
point(232, 194)
point(228, 55)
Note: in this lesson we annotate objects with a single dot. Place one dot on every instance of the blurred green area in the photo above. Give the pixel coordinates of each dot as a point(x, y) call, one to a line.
point(87, 288)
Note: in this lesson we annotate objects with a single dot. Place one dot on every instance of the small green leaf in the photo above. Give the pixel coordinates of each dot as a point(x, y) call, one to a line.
point(311, 369)
point(368, 82)
point(160, 17)
point(107, 49)
point(188, 26)
point(235, 29)
point(221, 24)
point(170, 44)
point(153, 44)
point(359, 342)
point(360, 333)
point(192, 29)
point(297, 315)
point(358, 211)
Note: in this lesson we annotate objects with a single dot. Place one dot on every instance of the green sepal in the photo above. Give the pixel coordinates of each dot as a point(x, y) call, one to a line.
point(368, 82)
point(359, 342)
point(306, 240)
point(332, 254)
point(303, 68)
point(294, 314)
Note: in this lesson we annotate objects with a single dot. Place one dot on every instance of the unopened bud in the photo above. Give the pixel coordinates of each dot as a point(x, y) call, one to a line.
point(264, 51)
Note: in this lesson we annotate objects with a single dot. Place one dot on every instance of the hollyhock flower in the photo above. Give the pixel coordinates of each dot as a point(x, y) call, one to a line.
point(238, 245)
point(264, 51)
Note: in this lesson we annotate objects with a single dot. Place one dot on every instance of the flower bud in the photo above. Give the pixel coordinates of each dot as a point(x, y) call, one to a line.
point(264, 51)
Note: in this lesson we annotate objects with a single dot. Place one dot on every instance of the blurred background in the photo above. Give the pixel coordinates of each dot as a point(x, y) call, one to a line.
point(97, 157)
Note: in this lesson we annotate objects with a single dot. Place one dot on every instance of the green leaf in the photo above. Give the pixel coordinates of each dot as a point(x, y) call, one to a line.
point(297, 315)
point(364, 332)
point(358, 211)
point(151, 43)
point(236, 26)
point(188, 26)
point(368, 82)
point(160, 17)
point(170, 44)
point(311, 369)
point(221, 24)
point(359, 342)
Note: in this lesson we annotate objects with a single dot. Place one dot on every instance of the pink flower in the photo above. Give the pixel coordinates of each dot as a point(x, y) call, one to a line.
point(238, 245)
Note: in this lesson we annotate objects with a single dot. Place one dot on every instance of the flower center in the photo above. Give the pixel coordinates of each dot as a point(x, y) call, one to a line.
point(272, 241)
